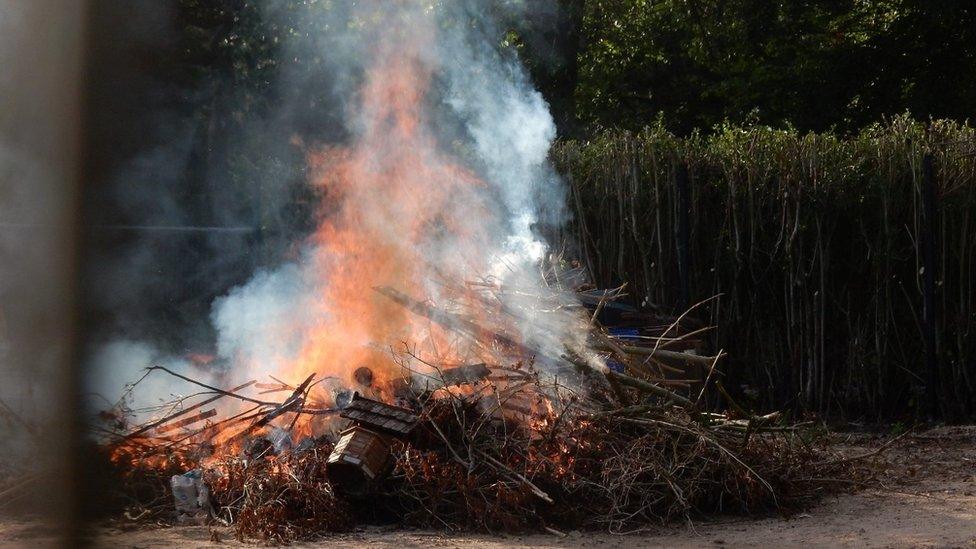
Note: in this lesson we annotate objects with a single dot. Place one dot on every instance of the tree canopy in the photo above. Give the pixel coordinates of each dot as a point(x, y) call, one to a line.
point(810, 64)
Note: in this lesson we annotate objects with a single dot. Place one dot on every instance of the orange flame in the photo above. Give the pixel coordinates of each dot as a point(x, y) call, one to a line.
point(394, 204)
point(398, 210)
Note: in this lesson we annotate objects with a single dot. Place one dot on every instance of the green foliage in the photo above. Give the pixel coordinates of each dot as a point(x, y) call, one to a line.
point(811, 64)
point(814, 64)
point(813, 242)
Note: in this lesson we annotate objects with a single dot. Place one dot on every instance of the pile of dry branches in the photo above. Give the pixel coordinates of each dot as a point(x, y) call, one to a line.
point(278, 498)
point(618, 470)
point(539, 442)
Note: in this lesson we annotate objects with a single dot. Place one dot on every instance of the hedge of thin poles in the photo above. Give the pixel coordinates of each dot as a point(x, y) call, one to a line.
point(816, 244)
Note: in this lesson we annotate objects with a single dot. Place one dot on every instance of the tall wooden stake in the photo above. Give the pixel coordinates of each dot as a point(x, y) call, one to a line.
point(929, 301)
point(684, 236)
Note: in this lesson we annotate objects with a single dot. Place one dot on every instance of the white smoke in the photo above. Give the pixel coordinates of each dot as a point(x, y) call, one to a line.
point(155, 390)
point(485, 114)
point(512, 131)
point(261, 324)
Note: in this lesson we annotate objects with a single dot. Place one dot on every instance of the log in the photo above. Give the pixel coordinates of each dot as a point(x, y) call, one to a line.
point(187, 421)
point(449, 320)
point(672, 356)
point(616, 379)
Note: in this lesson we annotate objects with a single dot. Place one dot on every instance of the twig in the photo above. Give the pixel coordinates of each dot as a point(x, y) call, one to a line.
point(171, 417)
point(528, 483)
point(872, 453)
point(214, 389)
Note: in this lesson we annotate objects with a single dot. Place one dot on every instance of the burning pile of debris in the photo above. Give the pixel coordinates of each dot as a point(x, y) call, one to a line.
point(606, 431)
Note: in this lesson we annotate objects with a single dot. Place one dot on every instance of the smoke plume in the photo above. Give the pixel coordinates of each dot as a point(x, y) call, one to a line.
point(439, 174)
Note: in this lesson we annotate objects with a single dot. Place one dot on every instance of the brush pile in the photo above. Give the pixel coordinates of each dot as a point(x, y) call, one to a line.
point(599, 423)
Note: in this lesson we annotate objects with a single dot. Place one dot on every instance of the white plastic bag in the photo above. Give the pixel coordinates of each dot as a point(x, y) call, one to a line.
point(190, 496)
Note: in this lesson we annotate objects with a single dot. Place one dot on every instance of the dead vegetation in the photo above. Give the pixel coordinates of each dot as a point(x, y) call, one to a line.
point(611, 434)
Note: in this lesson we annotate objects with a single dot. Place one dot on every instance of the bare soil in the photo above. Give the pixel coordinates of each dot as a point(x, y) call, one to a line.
point(926, 497)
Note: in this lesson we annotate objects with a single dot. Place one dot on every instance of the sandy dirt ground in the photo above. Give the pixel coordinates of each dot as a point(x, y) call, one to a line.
point(926, 498)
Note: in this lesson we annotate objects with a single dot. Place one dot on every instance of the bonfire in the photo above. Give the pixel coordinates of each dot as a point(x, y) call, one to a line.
point(612, 433)
point(450, 371)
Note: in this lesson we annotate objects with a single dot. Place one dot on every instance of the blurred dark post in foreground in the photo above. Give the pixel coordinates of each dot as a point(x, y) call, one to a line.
point(42, 53)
